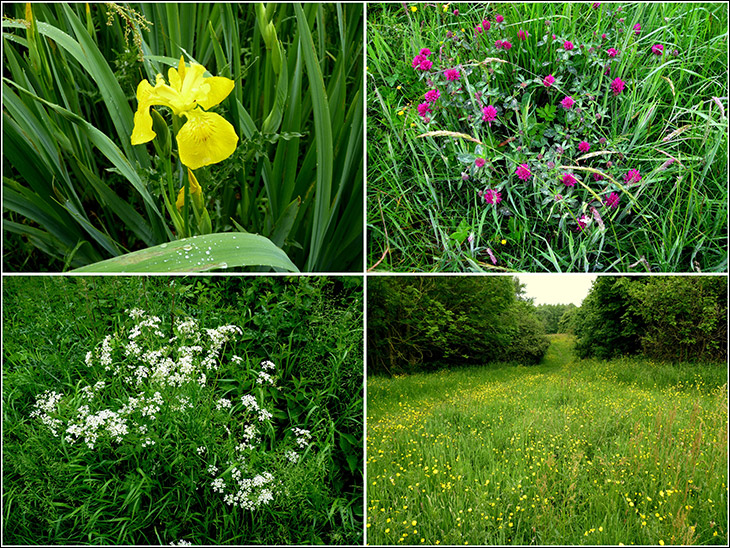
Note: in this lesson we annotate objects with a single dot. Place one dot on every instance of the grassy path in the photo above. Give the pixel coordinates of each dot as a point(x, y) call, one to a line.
point(576, 452)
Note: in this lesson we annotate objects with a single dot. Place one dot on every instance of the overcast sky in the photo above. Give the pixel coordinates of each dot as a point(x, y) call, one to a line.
point(557, 288)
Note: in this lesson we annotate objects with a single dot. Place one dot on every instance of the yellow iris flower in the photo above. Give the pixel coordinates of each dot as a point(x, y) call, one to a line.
point(206, 137)
point(196, 192)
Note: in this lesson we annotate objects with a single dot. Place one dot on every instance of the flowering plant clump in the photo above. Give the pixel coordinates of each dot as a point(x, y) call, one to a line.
point(533, 114)
point(168, 375)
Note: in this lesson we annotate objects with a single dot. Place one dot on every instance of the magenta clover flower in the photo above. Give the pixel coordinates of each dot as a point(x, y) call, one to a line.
point(633, 176)
point(432, 95)
point(523, 35)
point(489, 114)
point(492, 196)
point(498, 44)
point(568, 102)
point(425, 65)
point(451, 74)
point(548, 81)
point(479, 162)
point(583, 146)
point(523, 172)
point(424, 109)
point(612, 200)
point(637, 29)
point(478, 29)
point(417, 61)
point(657, 49)
point(612, 52)
point(582, 221)
point(499, 18)
point(568, 179)
point(598, 177)
point(617, 86)
point(425, 51)
point(486, 24)
point(506, 44)
point(568, 45)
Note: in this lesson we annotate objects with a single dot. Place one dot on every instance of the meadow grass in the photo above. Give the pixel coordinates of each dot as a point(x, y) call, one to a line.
point(420, 210)
point(57, 490)
point(567, 452)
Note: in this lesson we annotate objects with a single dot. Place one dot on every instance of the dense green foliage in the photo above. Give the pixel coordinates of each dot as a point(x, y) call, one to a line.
point(76, 190)
point(59, 492)
point(551, 316)
point(665, 317)
point(423, 323)
point(444, 193)
point(593, 452)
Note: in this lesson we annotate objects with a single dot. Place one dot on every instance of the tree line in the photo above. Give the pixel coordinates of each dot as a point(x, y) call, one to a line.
point(425, 323)
point(669, 318)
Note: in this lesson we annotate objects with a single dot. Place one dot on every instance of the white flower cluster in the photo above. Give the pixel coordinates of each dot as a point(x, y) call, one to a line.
point(223, 403)
point(292, 456)
point(90, 426)
point(45, 405)
point(218, 337)
point(248, 493)
point(302, 436)
point(250, 403)
point(181, 542)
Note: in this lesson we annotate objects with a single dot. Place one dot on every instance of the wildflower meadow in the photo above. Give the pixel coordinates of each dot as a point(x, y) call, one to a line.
point(148, 411)
point(176, 138)
point(574, 450)
point(547, 137)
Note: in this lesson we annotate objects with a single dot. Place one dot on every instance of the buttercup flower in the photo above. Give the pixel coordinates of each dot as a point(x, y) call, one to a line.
point(568, 102)
point(657, 49)
point(206, 137)
point(548, 81)
point(617, 86)
point(568, 179)
point(583, 146)
point(523, 172)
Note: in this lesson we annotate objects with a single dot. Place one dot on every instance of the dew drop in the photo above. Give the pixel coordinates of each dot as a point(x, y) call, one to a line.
point(163, 246)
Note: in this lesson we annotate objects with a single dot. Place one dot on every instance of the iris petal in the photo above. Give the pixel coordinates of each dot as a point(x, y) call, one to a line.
point(142, 132)
point(206, 138)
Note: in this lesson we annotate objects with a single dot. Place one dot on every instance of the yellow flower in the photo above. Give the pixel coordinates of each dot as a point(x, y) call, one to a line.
point(196, 193)
point(206, 137)
point(414, 9)
point(504, 242)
